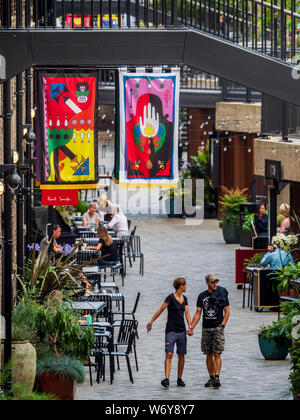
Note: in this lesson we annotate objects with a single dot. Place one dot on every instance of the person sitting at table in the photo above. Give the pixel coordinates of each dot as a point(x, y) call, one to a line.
point(285, 224)
point(118, 223)
point(91, 217)
point(52, 244)
point(261, 220)
point(107, 247)
point(104, 206)
point(276, 258)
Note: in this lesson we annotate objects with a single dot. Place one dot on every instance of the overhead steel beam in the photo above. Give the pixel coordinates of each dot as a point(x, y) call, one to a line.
point(122, 47)
point(16, 49)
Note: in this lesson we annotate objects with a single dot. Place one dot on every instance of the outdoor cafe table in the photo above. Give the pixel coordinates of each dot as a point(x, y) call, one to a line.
point(88, 306)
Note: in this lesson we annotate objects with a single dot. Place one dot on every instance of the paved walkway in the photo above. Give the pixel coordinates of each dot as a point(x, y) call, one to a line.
point(173, 249)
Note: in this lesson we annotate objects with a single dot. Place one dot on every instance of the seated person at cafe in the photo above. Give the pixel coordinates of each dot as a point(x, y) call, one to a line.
point(261, 220)
point(286, 222)
point(91, 217)
point(104, 206)
point(276, 258)
point(107, 247)
point(53, 245)
point(118, 223)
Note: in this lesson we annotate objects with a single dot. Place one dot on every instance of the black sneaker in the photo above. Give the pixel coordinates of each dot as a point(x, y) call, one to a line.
point(180, 382)
point(165, 383)
point(209, 383)
point(216, 383)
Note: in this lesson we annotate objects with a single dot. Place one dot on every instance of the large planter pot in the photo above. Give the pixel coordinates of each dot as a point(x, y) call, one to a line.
point(246, 239)
point(231, 234)
point(61, 387)
point(270, 350)
point(23, 364)
point(174, 208)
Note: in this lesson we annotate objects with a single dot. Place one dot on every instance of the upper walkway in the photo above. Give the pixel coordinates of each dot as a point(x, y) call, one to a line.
point(251, 43)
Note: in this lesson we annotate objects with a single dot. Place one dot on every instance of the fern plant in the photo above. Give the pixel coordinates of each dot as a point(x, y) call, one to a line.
point(230, 202)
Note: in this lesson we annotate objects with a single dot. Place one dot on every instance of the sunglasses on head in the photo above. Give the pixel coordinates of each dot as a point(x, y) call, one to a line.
point(214, 281)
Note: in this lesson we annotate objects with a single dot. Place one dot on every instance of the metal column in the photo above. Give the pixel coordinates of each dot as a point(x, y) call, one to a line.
point(8, 240)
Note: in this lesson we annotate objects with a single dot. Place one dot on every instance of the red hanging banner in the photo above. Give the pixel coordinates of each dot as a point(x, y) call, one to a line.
point(59, 197)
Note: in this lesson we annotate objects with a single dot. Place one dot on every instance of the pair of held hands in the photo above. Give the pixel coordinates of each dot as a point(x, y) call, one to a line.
point(189, 331)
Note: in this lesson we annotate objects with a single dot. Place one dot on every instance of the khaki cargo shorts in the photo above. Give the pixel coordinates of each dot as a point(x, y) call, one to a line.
point(213, 340)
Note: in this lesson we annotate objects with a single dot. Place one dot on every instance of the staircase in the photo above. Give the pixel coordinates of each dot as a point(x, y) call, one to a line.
point(253, 43)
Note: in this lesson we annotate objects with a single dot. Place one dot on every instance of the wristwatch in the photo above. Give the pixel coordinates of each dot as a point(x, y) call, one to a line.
point(190, 327)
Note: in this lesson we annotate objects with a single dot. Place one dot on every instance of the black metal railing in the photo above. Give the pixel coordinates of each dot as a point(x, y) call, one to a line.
point(271, 27)
point(193, 79)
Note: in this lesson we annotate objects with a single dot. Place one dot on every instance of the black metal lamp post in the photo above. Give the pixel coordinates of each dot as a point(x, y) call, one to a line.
point(12, 181)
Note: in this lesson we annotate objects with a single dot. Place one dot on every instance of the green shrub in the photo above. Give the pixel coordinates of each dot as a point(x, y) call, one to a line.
point(230, 203)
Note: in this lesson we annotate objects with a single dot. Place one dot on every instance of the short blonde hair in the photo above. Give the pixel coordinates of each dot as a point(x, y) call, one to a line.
point(284, 207)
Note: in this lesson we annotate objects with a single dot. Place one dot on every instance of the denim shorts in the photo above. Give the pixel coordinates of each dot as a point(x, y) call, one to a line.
point(179, 339)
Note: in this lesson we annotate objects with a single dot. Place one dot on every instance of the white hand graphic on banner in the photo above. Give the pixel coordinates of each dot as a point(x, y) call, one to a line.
point(150, 125)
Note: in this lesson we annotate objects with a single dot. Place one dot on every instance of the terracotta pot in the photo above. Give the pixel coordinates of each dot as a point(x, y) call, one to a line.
point(61, 387)
point(23, 364)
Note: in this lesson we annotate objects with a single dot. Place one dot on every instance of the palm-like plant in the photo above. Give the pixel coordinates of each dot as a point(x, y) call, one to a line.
point(43, 274)
point(230, 202)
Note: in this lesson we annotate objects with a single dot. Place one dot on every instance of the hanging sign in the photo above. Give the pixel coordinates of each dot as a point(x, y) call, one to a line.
point(59, 197)
point(68, 145)
point(147, 147)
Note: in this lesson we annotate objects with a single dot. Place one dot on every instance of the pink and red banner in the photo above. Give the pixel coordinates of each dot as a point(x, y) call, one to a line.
point(148, 138)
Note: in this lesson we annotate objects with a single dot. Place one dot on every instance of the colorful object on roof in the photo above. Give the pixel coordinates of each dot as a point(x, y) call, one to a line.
point(147, 147)
point(69, 150)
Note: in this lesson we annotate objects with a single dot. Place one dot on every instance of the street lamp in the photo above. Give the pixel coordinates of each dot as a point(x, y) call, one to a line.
point(12, 178)
point(28, 134)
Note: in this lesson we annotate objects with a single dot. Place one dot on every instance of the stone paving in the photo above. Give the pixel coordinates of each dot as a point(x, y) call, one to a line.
point(173, 249)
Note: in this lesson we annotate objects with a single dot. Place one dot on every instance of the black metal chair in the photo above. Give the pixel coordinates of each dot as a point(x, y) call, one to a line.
point(85, 235)
point(85, 256)
point(117, 322)
point(103, 340)
point(116, 266)
point(132, 251)
point(126, 337)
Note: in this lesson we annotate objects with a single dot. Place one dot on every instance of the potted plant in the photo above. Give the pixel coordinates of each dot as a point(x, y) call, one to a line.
point(230, 203)
point(273, 340)
point(294, 376)
point(283, 276)
point(19, 391)
point(200, 169)
point(42, 274)
point(173, 201)
point(246, 231)
point(59, 327)
point(24, 340)
point(59, 376)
